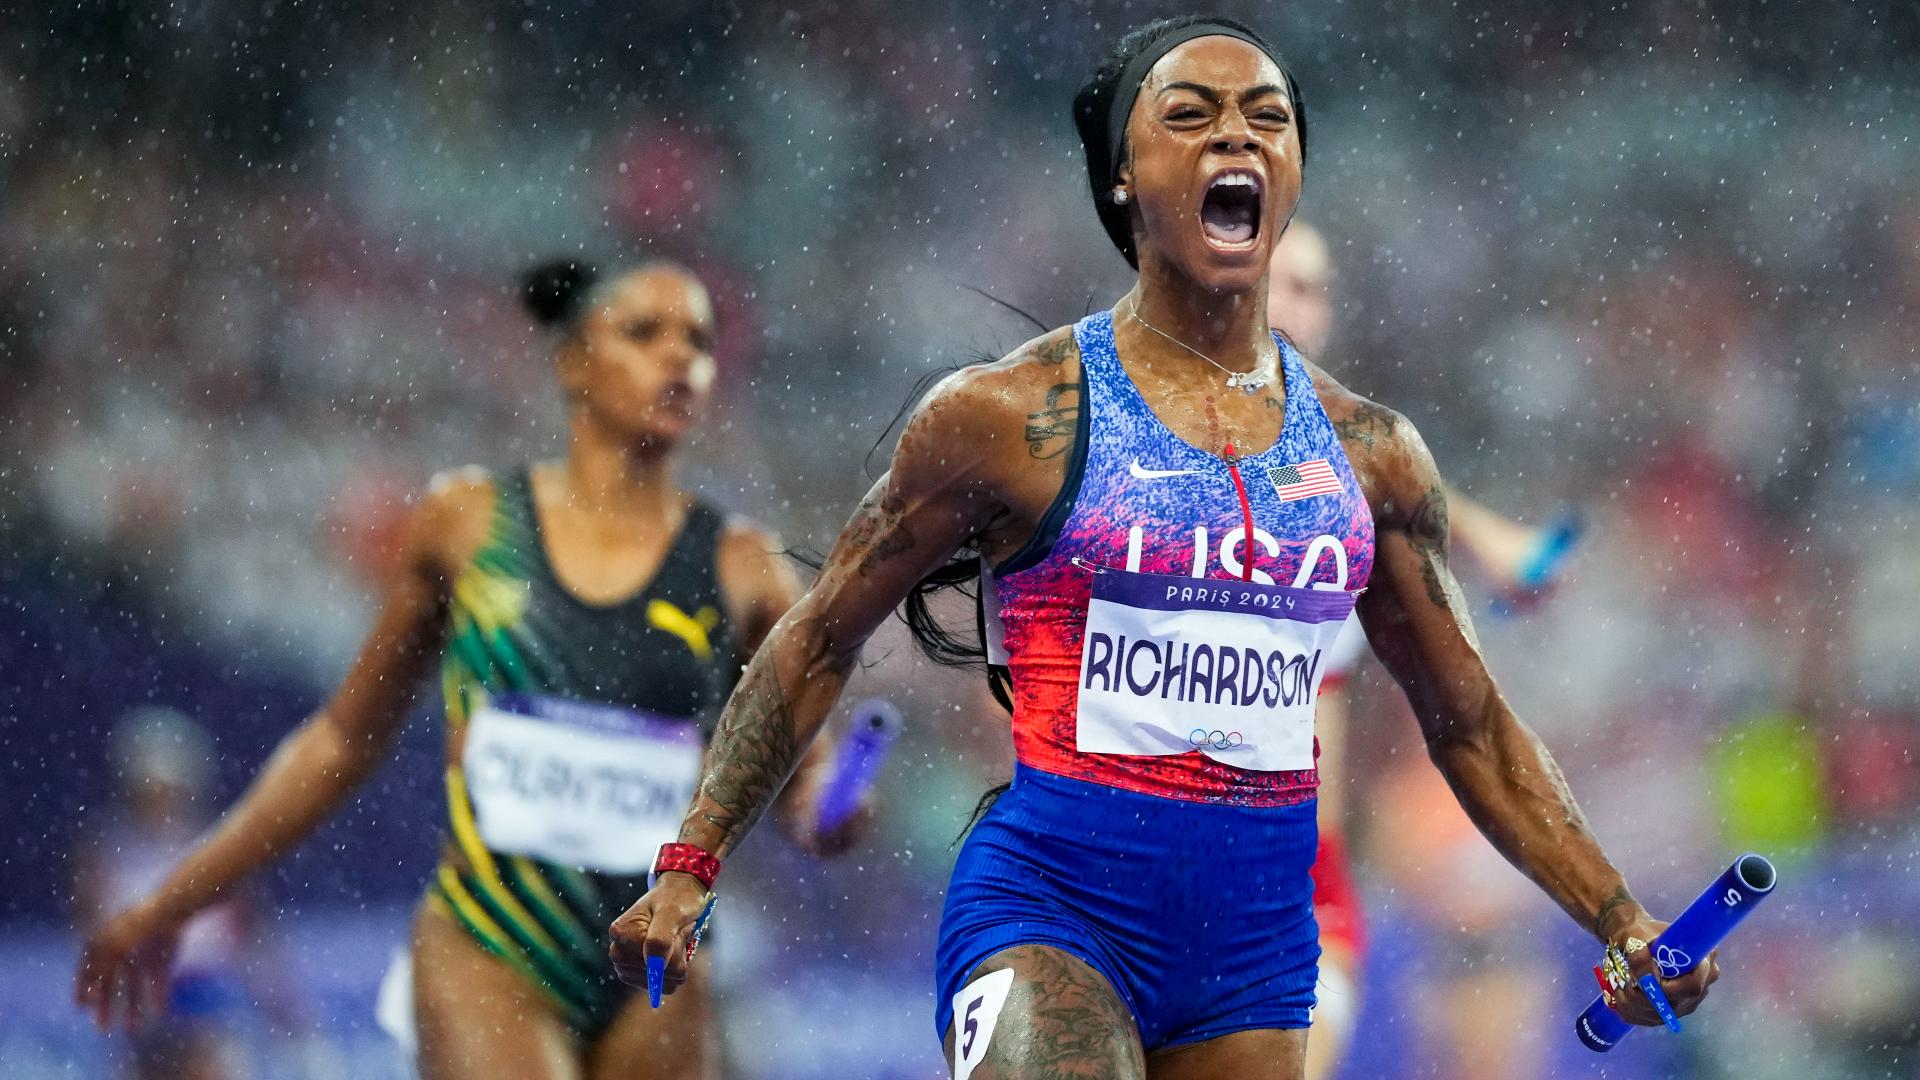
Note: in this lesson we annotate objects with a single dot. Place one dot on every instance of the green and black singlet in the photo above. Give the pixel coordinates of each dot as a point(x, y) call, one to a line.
point(582, 729)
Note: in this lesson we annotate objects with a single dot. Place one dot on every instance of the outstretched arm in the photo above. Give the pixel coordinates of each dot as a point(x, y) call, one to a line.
point(313, 770)
point(935, 499)
point(1417, 622)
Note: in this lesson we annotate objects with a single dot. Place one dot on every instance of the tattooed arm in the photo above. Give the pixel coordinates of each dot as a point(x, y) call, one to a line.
point(928, 505)
point(759, 586)
point(964, 451)
point(1418, 624)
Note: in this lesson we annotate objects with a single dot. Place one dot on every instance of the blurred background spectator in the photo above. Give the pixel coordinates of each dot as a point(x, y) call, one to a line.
point(1655, 261)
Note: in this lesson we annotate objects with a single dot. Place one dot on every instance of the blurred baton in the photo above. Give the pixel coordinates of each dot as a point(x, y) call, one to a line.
point(1544, 564)
point(876, 723)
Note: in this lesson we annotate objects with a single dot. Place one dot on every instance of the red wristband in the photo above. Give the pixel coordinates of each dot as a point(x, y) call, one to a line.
point(688, 860)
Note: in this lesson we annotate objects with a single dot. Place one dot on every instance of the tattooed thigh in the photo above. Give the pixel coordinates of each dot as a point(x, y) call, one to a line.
point(1060, 1019)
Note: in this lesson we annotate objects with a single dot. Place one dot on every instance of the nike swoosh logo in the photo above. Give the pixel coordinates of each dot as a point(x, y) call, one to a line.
point(1138, 473)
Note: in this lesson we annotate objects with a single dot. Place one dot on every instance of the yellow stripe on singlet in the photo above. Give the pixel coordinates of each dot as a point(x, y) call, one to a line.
point(576, 885)
point(452, 679)
point(487, 873)
point(586, 948)
point(468, 912)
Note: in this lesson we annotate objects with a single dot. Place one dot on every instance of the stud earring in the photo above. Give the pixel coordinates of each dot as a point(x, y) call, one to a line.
point(1120, 196)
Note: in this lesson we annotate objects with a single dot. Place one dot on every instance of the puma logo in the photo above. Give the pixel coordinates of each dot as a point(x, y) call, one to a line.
point(696, 629)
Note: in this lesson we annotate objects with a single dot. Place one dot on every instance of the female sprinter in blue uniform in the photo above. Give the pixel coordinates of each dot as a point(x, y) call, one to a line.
point(1178, 512)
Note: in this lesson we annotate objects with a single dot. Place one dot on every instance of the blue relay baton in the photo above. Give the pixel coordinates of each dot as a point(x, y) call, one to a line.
point(876, 723)
point(1548, 558)
point(1684, 945)
point(657, 965)
point(1555, 545)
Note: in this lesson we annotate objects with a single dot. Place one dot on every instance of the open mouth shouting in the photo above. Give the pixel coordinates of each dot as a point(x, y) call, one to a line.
point(1230, 210)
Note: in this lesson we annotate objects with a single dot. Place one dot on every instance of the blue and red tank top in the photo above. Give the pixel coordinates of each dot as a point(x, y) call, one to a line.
point(1147, 507)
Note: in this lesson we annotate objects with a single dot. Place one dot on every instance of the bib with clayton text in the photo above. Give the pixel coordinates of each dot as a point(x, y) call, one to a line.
point(587, 785)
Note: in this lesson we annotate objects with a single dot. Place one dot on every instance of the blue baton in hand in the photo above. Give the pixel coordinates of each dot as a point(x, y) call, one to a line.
point(1555, 545)
point(876, 723)
point(1682, 946)
point(657, 965)
point(1544, 563)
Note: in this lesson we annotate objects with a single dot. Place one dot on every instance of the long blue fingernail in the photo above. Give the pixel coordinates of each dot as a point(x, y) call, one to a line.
point(656, 979)
point(1650, 986)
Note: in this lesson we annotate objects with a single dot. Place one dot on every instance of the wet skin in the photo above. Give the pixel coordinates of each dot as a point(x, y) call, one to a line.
point(983, 458)
point(636, 378)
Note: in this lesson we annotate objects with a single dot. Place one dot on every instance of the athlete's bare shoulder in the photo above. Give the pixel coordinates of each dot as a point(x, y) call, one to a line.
point(1000, 433)
point(748, 553)
point(1389, 457)
point(756, 580)
point(1019, 400)
point(451, 522)
point(748, 539)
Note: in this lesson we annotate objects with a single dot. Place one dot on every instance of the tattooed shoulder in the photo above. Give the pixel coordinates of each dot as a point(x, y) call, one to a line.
point(1050, 429)
point(1362, 424)
point(1367, 424)
point(1050, 350)
point(1052, 413)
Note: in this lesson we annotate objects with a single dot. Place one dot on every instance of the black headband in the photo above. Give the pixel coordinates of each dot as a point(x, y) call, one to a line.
point(1128, 87)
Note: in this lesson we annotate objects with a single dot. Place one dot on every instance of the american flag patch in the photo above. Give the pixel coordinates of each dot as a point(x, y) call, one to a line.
point(1304, 480)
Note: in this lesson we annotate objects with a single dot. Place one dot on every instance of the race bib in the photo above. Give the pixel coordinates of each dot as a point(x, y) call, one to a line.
point(594, 786)
point(1228, 668)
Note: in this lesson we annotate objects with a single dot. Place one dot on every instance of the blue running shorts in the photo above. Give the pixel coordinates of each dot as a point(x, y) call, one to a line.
point(1200, 915)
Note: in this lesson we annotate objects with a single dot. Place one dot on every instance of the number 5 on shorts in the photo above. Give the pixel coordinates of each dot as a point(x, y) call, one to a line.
point(976, 1008)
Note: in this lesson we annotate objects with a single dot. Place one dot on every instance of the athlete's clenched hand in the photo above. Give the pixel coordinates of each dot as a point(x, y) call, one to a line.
point(1640, 940)
point(658, 924)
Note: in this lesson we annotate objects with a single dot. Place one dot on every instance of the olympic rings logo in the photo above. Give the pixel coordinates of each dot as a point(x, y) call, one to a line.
point(1670, 961)
point(1202, 739)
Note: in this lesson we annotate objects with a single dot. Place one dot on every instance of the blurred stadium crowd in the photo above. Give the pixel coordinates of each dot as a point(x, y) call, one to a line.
point(1655, 263)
